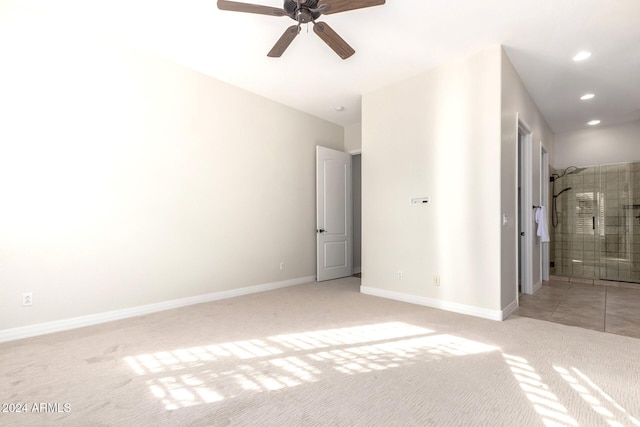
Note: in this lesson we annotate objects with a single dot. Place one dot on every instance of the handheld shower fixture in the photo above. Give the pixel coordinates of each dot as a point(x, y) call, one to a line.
point(566, 189)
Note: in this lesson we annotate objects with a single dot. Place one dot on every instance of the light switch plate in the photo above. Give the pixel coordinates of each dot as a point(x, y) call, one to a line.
point(420, 201)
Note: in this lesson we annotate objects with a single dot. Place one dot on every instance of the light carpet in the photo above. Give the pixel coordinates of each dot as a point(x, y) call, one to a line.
point(321, 354)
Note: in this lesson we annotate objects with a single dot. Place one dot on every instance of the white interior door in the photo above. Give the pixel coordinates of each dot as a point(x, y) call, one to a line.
point(333, 214)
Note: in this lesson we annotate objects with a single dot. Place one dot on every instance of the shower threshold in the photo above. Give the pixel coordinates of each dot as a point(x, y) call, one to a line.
point(596, 282)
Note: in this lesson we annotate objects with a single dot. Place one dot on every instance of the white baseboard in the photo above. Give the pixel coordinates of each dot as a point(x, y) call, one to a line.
point(510, 309)
point(435, 303)
point(94, 319)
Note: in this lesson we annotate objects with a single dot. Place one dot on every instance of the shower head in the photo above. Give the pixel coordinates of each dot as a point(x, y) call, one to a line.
point(568, 171)
point(576, 170)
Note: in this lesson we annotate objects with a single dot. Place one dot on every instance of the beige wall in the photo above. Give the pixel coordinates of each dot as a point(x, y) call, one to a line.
point(435, 135)
point(517, 104)
point(127, 180)
point(599, 145)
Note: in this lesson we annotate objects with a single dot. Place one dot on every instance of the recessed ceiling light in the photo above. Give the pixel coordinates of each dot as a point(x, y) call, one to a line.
point(581, 56)
point(587, 96)
point(339, 108)
point(593, 122)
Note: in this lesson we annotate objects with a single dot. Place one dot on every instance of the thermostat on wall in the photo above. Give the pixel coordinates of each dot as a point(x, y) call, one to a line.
point(420, 201)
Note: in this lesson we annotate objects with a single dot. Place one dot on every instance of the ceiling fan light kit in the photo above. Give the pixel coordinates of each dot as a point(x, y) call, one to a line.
point(304, 11)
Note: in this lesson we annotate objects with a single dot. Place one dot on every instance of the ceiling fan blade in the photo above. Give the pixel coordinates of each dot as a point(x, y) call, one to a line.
point(335, 6)
point(283, 43)
point(335, 42)
point(250, 8)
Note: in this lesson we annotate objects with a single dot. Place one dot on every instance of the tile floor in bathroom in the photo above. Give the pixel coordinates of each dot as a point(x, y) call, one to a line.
point(602, 308)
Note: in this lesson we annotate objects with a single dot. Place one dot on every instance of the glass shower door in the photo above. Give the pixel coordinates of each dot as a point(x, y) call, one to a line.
point(583, 198)
point(634, 229)
point(576, 248)
point(620, 222)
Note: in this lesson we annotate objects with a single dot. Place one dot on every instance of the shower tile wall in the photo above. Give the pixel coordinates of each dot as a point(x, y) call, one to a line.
point(598, 231)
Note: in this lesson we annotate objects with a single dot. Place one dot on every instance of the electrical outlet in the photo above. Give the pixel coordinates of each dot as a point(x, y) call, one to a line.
point(400, 275)
point(27, 299)
point(436, 280)
point(282, 265)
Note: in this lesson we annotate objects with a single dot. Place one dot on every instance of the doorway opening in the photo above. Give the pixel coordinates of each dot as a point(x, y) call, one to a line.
point(334, 237)
point(356, 186)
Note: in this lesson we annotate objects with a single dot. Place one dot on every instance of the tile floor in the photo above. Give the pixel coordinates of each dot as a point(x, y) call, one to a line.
point(609, 309)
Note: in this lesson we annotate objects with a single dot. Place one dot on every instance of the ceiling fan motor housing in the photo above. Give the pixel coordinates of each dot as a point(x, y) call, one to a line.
point(304, 14)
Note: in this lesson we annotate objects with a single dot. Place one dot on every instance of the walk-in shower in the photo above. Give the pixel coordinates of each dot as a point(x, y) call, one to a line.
point(596, 222)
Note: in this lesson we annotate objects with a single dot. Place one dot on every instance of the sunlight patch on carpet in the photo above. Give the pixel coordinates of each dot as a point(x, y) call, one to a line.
point(581, 384)
point(212, 373)
point(544, 401)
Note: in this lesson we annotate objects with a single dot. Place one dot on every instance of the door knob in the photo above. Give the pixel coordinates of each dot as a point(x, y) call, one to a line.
point(320, 231)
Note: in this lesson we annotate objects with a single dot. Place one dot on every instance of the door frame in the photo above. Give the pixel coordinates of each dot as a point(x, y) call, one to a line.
point(544, 201)
point(524, 209)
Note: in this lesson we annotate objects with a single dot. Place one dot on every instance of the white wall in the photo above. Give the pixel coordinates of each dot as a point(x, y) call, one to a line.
point(517, 104)
point(598, 145)
point(353, 138)
point(436, 135)
point(127, 180)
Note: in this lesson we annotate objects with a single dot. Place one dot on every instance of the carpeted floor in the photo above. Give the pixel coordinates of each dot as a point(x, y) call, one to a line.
point(321, 354)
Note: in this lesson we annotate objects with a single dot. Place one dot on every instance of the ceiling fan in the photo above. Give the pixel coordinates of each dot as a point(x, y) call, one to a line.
point(304, 11)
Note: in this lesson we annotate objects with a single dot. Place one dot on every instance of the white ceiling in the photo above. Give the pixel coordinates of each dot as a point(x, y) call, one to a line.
point(392, 42)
